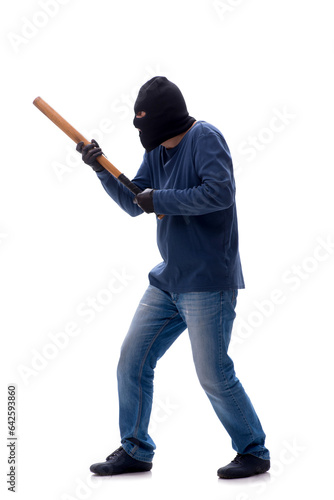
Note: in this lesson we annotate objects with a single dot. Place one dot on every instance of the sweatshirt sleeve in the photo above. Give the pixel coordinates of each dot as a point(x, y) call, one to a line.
point(216, 190)
point(120, 194)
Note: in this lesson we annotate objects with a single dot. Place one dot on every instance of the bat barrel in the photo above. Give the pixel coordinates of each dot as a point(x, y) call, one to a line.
point(58, 120)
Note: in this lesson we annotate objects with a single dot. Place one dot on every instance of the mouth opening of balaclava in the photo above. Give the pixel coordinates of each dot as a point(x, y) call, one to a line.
point(166, 113)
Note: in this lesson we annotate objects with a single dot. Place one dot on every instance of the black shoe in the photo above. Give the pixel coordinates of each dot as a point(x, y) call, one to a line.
point(244, 466)
point(119, 462)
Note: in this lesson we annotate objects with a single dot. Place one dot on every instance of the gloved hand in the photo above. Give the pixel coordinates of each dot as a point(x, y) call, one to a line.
point(90, 153)
point(145, 200)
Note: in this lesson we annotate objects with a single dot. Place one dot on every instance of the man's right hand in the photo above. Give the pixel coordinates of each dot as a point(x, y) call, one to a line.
point(90, 153)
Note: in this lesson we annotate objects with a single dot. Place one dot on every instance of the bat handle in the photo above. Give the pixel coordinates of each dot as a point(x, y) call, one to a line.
point(133, 188)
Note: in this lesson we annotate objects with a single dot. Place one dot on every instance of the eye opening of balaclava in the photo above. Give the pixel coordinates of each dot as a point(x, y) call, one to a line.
point(166, 112)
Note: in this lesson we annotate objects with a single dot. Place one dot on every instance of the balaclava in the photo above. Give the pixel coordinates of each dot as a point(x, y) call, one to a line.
point(166, 112)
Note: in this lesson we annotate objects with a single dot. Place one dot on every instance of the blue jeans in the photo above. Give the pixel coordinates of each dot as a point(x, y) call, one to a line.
point(160, 318)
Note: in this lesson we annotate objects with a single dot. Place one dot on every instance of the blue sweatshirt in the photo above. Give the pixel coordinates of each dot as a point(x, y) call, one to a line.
point(195, 190)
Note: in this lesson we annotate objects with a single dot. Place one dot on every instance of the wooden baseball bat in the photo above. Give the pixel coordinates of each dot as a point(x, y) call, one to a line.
point(73, 134)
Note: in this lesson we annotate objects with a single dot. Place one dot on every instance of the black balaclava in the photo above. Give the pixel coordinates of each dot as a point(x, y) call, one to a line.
point(166, 112)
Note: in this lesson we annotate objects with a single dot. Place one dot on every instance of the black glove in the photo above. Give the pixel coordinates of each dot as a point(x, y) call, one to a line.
point(145, 200)
point(90, 153)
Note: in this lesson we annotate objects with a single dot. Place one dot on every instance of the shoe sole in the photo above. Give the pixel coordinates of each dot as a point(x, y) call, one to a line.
point(95, 470)
point(241, 477)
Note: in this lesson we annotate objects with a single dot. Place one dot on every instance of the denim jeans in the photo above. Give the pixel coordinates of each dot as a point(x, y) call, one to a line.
point(160, 318)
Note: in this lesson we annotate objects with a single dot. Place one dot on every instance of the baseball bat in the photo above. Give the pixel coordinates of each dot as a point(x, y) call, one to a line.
point(73, 134)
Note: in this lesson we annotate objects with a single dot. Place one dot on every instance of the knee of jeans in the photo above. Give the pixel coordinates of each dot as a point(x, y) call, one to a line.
point(132, 366)
point(124, 364)
point(212, 378)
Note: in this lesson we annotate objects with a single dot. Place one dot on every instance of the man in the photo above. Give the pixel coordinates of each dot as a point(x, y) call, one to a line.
point(187, 175)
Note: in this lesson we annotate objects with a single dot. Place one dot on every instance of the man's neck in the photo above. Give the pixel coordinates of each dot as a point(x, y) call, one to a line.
point(174, 141)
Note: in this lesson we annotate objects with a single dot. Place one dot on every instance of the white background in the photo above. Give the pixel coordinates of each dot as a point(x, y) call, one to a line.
point(239, 65)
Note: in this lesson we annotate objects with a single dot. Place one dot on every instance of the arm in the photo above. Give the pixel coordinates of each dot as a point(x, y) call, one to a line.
point(216, 190)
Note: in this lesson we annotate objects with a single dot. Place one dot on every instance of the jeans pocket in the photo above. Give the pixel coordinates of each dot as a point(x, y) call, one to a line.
point(231, 295)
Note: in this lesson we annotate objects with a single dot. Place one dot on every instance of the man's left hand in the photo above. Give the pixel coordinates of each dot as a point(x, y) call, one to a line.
point(145, 200)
